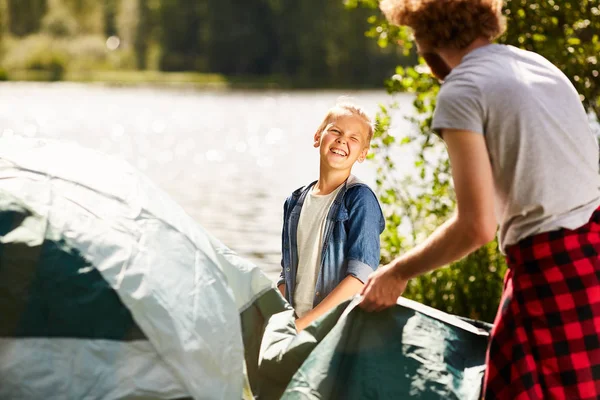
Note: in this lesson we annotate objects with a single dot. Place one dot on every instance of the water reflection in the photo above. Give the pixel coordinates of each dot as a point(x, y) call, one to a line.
point(229, 158)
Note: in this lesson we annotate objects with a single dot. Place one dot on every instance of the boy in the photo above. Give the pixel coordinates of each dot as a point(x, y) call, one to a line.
point(331, 227)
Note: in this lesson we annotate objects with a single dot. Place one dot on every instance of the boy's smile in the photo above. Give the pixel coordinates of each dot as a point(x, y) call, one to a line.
point(339, 152)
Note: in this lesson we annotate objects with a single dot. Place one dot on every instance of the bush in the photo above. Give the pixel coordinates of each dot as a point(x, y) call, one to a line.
point(87, 53)
point(122, 59)
point(37, 53)
point(59, 22)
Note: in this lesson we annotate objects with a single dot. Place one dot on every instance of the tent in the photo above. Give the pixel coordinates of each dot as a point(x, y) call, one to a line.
point(408, 351)
point(109, 290)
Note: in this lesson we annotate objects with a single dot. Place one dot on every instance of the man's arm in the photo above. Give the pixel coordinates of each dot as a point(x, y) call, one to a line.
point(472, 226)
point(347, 288)
point(281, 288)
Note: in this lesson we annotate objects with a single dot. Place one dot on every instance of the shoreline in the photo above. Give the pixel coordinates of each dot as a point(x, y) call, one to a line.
point(132, 78)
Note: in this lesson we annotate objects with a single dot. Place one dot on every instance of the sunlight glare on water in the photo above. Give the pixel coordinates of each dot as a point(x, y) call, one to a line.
point(229, 158)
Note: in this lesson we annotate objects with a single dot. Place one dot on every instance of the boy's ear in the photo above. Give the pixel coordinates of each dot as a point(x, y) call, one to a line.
point(317, 138)
point(363, 155)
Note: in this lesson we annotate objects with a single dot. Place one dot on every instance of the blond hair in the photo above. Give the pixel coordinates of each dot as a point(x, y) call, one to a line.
point(346, 107)
point(447, 24)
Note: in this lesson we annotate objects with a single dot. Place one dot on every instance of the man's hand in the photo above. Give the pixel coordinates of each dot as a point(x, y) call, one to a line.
point(382, 289)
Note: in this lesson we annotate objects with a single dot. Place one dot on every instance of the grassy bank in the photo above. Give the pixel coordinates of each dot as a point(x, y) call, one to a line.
point(87, 58)
point(171, 79)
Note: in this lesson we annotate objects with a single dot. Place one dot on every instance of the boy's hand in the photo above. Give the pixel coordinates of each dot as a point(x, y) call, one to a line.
point(382, 289)
point(302, 323)
point(347, 288)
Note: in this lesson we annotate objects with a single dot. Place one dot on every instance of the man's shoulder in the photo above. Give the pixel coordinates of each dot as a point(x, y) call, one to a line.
point(477, 69)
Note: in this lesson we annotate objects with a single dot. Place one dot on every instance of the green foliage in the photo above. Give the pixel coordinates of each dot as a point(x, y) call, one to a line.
point(109, 16)
point(141, 42)
point(565, 32)
point(87, 52)
point(317, 41)
point(310, 43)
point(25, 16)
point(46, 57)
point(37, 53)
point(245, 29)
point(181, 34)
point(59, 22)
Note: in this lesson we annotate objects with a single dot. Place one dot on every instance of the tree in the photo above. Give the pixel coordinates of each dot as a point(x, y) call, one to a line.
point(183, 30)
point(88, 14)
point(142, 33)
point(318, 44)
point(241, 40)
point(565, 32)
point(109, 15)
point(3, 17)
point(25, 16)
point(59, 20)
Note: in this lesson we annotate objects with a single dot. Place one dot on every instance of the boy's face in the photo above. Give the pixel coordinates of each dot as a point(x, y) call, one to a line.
point(343, 142)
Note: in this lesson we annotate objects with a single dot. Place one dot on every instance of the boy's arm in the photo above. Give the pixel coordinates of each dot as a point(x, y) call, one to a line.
point(281, 281)
point(364, 226)
point(347, 288)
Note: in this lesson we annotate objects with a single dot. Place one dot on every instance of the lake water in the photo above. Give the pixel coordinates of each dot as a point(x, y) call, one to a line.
point(230, 158)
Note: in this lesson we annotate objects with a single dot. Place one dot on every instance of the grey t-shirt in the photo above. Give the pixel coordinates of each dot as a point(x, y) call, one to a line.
point(543, 154)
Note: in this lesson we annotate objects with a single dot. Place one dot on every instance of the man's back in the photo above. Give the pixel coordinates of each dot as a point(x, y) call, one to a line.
point(532, 118)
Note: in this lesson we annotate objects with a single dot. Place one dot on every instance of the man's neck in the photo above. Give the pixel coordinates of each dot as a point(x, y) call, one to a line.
point(329, 181)
point(454, 57)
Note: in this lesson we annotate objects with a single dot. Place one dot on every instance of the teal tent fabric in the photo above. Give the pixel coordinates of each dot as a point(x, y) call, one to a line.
point(407, 351)
point(254, 320)
point(47, 289)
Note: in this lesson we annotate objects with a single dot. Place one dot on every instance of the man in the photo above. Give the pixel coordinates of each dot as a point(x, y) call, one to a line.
point(523, 157)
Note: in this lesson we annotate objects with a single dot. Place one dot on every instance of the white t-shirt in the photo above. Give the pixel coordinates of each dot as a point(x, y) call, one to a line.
point(543, 154)
point(311, 229)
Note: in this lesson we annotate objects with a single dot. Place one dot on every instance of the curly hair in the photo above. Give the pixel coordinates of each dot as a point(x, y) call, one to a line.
point(447, 24)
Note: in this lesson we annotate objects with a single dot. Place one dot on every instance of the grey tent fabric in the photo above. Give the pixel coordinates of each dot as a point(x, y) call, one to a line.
point(408, 351)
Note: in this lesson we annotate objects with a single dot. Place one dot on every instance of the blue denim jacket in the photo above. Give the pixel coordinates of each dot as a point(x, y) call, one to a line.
point(351, 243)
